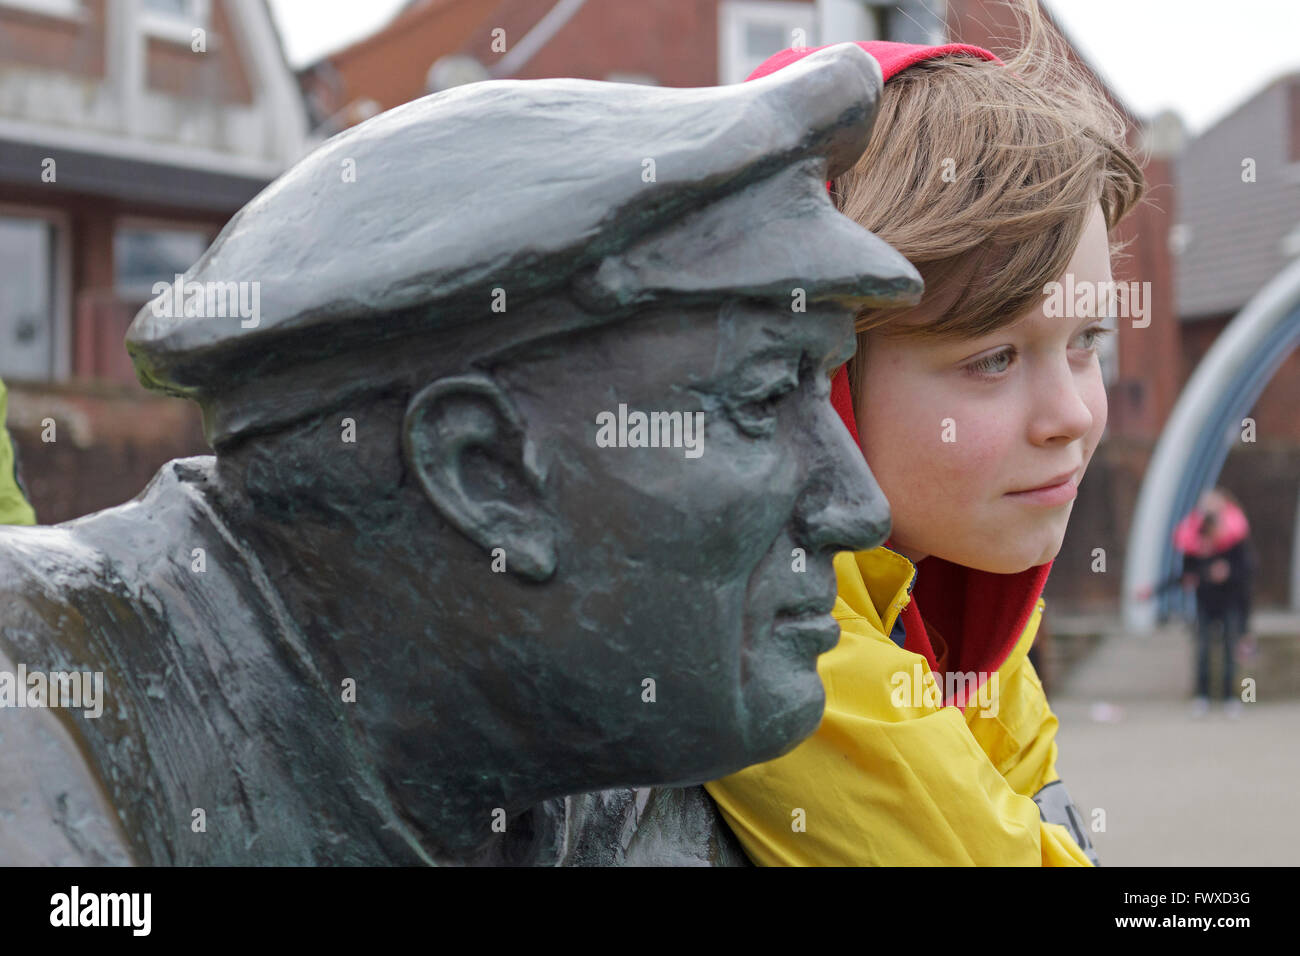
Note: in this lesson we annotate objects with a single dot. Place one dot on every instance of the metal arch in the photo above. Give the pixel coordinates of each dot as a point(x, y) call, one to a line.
point(1201, 430)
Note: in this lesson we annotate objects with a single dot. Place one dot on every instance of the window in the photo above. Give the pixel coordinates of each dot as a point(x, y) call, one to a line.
point(750, 32)
point(906, 21)
point(1180, 237)
point(174, 19)
point(842, 21)
point(30, 297)
point(911, 21)
point(1108, 355)
point(144, 254)
point(168, 8)
point(53, 8)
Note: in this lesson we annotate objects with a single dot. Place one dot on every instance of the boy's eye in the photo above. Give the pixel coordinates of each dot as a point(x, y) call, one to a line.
point(1094, 336)
point(994, 364)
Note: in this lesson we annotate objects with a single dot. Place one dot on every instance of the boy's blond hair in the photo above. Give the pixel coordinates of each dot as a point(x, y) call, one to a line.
point(1029, 149)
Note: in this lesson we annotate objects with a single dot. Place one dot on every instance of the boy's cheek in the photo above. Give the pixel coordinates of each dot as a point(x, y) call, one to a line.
point(910, 431)
point(974, 460)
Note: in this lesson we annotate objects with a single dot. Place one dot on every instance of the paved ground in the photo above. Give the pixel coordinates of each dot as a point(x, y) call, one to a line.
point(1177, 790)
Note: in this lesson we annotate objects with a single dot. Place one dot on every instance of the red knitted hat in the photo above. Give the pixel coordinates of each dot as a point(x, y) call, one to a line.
point(893, 59)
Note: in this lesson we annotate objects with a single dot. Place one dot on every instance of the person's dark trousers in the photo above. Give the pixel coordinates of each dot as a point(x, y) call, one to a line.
point(1229, 623)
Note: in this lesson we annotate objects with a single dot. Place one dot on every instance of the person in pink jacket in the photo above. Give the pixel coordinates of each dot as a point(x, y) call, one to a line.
point(1219, 562)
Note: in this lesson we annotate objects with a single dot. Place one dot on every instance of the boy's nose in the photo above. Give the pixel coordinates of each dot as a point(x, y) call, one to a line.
point(1060, 411)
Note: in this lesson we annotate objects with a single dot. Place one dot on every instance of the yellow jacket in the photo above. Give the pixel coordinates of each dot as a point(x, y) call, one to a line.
point(14, 508)
point(891, 777)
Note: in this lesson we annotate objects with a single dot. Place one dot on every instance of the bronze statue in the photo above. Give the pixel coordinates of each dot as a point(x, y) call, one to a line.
point(526, 486)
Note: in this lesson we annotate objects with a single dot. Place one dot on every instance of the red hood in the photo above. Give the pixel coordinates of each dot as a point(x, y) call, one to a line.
point(982, 615)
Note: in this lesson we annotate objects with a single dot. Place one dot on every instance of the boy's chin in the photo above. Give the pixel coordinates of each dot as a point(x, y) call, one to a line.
point(1010, 561)
point(1029, 558)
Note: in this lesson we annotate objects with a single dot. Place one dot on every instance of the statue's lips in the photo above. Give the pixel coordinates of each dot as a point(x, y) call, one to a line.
point(814, 631)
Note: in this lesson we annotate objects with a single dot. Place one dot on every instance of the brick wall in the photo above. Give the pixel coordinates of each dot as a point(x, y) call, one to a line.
point(1275, 411)
point(77, 45)
point(109, 440)
point(30, 38)
point(216, 76)
point(676, 43)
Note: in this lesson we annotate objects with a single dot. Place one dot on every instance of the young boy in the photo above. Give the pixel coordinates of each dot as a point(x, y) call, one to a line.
point(978, 412)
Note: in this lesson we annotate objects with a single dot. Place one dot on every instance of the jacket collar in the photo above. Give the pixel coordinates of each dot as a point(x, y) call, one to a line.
point(982, 615)
point(874, 585)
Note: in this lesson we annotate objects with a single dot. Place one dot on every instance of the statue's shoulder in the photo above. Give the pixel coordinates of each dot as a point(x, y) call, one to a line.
point(68, 593)
point(648, 826)
point(41, 568)
point(45, 568)
point(172, 506)
point(52, 809)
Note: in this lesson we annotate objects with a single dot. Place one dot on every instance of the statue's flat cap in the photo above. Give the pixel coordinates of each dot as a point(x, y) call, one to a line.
point(407, 223)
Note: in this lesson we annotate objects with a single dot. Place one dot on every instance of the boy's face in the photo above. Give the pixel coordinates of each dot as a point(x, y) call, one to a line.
point(953, 430)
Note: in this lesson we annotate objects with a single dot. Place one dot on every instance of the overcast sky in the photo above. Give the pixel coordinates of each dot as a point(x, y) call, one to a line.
point(1155, 53)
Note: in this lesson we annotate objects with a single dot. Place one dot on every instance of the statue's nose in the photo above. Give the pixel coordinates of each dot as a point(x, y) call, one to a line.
point(843, 507)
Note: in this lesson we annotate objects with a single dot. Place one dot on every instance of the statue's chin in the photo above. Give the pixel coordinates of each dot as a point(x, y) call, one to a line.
point(803, 701)
point(796, 725)
point(779, 734)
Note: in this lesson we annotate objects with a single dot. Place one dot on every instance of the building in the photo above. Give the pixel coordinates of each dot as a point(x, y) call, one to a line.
point(130, 132)
point(431, 44)
point(1238, 226)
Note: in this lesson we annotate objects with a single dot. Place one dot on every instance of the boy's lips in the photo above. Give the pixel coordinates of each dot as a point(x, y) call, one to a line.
point(1056, 491)
point(1049, 483)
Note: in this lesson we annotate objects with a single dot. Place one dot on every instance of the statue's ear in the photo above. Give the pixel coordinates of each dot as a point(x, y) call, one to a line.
point(465, 443)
